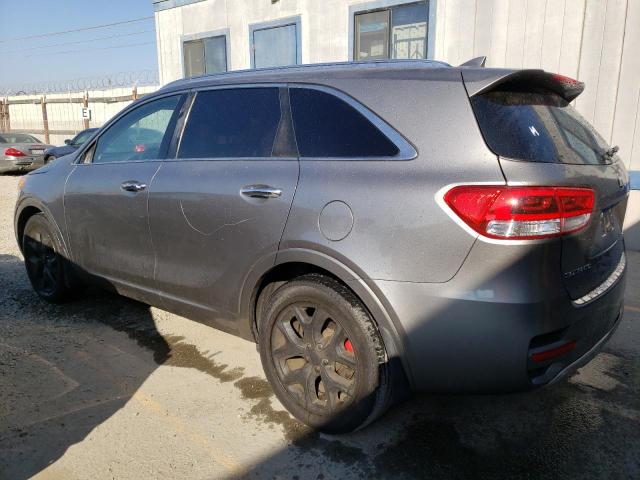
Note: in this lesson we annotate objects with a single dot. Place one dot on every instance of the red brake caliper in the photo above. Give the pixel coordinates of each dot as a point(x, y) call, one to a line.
point(347, 346)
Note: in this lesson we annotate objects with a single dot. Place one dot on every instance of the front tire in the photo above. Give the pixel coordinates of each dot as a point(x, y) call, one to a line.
point(323, 355)
point(44, 261)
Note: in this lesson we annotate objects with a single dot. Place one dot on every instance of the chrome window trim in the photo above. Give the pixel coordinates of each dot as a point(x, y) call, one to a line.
point(406, 151)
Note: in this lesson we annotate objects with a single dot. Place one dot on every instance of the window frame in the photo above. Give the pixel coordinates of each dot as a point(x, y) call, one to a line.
point(406, 151)
point(388, 5)
point(282, 22)
point(203, 36)
point(86, 151)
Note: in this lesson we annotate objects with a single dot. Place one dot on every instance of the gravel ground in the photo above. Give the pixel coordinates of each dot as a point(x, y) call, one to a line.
point(109, 388)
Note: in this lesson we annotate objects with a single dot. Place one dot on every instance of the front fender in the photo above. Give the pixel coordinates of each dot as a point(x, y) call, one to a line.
point(25, 202)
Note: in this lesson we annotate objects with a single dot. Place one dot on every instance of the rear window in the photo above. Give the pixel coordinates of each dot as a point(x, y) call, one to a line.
point(537, 127)
point(227, 123)
point(326, 126)
point(18, 138)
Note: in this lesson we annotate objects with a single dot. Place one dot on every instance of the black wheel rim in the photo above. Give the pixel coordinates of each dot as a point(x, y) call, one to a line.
point(314, 357)
point(42, 262)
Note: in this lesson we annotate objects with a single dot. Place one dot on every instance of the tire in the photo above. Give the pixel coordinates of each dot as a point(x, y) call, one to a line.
point(44, 262)
point(323, 355)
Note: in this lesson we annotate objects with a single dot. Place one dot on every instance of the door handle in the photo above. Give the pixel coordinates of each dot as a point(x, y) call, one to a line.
point(260, 191)
point(132, 186)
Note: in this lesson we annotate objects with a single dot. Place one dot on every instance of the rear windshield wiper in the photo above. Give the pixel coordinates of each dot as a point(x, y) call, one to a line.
point(608, 154)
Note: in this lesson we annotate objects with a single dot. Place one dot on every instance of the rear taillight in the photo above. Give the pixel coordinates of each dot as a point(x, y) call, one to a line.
point(522, 213)
point(564, 79)
point(13, 152)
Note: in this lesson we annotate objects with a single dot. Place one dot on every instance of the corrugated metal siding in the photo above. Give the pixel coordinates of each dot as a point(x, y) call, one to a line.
point(597, 41)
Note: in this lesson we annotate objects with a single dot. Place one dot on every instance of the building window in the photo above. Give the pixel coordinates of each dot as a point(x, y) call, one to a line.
point(396, 32)
point(205, 55)
point(275, 45)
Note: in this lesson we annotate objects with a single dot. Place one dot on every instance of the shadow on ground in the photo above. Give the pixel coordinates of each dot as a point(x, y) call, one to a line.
point(66, 369)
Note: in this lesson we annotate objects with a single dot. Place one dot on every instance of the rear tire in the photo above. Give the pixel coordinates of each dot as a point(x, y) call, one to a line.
point(45, 264)
point(323, 355)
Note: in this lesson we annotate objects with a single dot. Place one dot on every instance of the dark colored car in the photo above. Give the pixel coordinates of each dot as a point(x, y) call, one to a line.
point(373, 226)
point(70, 145)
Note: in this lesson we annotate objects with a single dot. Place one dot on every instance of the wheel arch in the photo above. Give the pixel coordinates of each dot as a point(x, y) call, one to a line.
point(24, 211)
point(295, 262)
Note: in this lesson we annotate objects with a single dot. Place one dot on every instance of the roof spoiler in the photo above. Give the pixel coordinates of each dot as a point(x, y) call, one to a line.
point(482, 81)
point(475, 62)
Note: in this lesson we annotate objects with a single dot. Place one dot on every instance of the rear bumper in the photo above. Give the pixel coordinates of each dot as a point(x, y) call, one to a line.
point(587, 356)
point(20, 164)
point(477, 333)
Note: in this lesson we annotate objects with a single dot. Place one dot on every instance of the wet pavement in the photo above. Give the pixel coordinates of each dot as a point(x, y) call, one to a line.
point(106, 387)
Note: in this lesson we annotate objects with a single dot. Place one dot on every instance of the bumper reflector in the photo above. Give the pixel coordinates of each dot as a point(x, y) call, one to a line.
point(553, 353)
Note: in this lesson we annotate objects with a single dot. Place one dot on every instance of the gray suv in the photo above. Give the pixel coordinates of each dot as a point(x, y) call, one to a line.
point(375, 227)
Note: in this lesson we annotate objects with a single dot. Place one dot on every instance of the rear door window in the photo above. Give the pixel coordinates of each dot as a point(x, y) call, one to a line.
point(538, 127)
point(327, 126)
point(240, 122)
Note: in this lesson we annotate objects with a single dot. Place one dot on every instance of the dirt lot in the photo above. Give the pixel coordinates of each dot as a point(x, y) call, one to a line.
point(109, 388)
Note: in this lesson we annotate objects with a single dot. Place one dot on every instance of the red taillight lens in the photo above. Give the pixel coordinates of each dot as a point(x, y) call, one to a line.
point(13, 152)
point(522, 213)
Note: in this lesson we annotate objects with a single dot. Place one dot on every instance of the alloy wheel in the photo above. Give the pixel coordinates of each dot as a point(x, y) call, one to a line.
point(314, 358)
point(42, 262)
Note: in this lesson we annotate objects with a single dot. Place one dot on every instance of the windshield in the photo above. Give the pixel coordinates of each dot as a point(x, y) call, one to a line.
point(82, 137)
point(537, 127)
point(17, 138)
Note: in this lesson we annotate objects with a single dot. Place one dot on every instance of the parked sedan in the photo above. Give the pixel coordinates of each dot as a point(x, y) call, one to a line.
point(20, 152)
point(70, 145)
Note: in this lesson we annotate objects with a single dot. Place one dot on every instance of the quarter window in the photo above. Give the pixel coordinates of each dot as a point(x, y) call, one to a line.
point(326, 126)
point(398, 32)
point(142, 134)
point(239, 122)
point(206, 55)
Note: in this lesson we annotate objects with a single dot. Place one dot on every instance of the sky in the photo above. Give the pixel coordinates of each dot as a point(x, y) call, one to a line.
point(64, 58)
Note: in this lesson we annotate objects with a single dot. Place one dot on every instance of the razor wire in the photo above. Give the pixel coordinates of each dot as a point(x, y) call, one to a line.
point(116, 80)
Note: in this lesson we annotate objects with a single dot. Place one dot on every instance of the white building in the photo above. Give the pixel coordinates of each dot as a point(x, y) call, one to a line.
point(596, 41)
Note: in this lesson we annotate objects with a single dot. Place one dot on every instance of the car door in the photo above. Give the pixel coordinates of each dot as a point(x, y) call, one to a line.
point(106, 197)
point(220, 206)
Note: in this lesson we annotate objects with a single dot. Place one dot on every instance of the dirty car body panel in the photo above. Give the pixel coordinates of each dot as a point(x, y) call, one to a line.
point(460, 310)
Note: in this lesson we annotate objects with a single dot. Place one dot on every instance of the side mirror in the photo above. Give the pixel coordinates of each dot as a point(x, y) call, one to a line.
point(67, 142)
